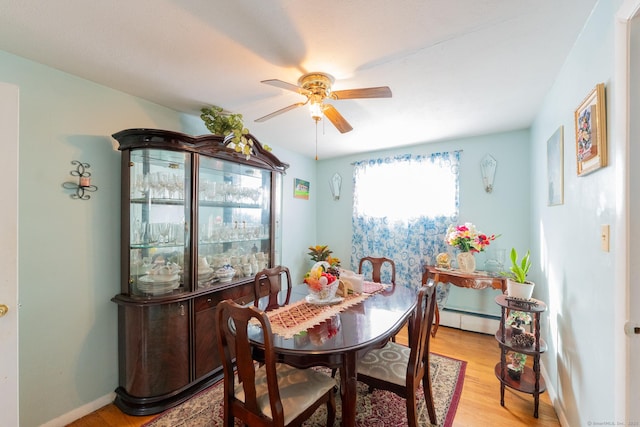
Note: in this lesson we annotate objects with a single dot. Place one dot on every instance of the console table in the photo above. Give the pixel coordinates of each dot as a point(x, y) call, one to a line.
point(475, 280)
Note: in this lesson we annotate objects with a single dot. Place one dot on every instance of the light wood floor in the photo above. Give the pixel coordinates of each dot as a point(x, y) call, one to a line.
point(479, 404)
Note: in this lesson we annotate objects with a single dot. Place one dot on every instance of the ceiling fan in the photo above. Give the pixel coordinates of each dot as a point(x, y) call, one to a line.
point(316, 87)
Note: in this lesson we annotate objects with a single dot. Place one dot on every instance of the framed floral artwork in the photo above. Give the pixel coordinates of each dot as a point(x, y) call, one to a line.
point(555, 168)
point(591, 132)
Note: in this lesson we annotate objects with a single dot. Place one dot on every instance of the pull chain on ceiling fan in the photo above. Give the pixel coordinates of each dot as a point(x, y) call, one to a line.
point(316, 87)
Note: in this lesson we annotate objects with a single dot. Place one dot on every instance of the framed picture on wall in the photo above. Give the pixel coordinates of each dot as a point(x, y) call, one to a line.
point(591, 132)
point(300, 189)
point(555, 167)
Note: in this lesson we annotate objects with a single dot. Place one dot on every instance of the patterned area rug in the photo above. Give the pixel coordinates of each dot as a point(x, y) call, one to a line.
point(378, 409)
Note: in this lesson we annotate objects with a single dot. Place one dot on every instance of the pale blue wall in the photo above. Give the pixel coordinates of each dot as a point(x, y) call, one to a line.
point(572, 272)
point(504, 211)
point(69, 250)
point(69, 262)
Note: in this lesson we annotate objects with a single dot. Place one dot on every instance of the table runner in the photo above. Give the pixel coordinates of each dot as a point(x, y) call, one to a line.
point(294, 318)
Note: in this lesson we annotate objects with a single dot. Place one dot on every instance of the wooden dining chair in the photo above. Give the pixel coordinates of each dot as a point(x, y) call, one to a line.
point(272, 394)
point(269, 282)
point(377, 264)
point(400, 369)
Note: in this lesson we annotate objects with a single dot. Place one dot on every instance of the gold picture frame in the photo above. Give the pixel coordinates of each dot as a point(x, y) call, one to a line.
point(591, 132)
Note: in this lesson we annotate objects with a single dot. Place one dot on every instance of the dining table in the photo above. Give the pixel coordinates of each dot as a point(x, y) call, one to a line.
point(337, 335)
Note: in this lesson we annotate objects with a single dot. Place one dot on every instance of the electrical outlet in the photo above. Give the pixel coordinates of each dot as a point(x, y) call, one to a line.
point(604, 238)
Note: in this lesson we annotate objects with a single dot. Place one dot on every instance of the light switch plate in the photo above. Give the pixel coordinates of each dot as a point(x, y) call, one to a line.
point(604, 237)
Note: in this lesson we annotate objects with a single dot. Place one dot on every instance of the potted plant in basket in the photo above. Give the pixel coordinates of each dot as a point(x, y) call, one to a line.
point(515, 368)
point(517, 284)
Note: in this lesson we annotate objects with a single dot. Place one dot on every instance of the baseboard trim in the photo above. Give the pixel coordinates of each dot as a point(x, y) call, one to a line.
point(80, 412)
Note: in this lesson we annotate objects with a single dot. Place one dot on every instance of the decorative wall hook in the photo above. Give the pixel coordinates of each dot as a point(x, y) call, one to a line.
point(84, 181)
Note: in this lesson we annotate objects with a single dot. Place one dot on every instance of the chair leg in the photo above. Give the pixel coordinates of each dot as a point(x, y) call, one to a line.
point(228, 418)
point(428, 396)
point(412, 419)
point(331, 411)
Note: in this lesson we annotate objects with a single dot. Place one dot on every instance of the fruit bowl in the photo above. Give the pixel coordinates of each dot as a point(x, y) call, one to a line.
point(326, 292)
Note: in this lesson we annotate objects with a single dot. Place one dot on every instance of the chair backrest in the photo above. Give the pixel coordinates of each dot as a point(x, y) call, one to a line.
point(420, 333)
point(233, 344)
point(269, 282)
point(377, 264)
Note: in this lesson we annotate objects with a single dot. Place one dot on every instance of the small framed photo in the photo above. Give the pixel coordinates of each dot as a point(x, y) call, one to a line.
point(591, 132)
point(555, 167)
point(300, 189)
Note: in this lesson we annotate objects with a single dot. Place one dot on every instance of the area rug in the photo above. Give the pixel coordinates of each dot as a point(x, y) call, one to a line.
point(377, 409)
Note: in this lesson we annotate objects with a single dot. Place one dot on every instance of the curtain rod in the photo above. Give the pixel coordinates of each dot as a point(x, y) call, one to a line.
point(452, 151)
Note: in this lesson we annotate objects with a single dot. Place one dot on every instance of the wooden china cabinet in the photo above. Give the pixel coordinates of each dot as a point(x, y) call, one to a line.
point(198, 221)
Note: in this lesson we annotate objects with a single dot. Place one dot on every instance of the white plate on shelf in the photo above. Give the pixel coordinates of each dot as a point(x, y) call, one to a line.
point(313, 300)
point(158, 288)
point(159, 279)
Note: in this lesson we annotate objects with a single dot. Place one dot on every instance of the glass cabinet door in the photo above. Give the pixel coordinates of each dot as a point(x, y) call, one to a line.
point(234, 217)
point(158, 215)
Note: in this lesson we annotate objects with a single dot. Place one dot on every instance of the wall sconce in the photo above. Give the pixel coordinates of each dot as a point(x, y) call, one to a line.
point(488, 169)
point(335, 183)
point(84, 181)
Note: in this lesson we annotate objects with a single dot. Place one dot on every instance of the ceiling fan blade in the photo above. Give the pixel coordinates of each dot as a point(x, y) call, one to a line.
point(368, 92)
point(288, 86)
point(280, 111)
point(336, 118)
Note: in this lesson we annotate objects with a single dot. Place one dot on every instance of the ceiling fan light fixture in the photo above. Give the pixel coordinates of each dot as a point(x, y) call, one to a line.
point(315, 108)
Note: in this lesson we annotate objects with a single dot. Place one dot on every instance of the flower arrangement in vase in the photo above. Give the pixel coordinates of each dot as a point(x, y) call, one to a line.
point(468, 240)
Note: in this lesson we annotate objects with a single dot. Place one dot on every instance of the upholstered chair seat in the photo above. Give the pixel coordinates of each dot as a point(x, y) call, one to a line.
point(388, 364)
point(299, 389)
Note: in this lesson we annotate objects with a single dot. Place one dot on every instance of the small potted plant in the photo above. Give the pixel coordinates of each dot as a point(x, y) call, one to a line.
point(516, 366)
point(517, 284)
point(516, 320)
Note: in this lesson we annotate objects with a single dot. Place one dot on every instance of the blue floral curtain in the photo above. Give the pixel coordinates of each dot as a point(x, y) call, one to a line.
point(402, 208)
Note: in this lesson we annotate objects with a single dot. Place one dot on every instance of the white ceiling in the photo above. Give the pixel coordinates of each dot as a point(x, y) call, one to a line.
point(456, 68)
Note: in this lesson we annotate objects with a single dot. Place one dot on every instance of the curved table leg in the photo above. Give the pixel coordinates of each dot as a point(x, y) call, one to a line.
point(348, 388)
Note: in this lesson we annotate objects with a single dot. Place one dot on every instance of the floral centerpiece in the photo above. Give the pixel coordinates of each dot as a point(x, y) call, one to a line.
point(322, 284)
point(323, 253)
point(468, 240)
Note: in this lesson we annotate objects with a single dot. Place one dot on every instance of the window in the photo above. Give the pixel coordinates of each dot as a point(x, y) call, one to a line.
point(404, 188)
point(402, 207)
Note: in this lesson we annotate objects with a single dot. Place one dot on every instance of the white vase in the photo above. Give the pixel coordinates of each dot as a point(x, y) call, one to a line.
point(466, 262)
point(520, 290)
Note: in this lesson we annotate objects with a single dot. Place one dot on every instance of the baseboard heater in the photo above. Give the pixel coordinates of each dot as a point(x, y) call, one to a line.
point(469, 321)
